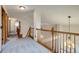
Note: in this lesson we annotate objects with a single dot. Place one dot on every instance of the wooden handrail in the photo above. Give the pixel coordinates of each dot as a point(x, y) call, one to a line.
point(44, 45)
point(29, 32)
point(57, 31)
point(43, 29)
point(67, 32)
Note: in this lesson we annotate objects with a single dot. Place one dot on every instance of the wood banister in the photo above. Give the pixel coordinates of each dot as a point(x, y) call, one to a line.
point(43, 29)
point(29, 32)
point(57, 31)
point(61, 36)
point(71, 33)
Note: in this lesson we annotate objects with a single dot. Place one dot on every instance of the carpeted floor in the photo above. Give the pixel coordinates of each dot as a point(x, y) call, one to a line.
point(23, 45)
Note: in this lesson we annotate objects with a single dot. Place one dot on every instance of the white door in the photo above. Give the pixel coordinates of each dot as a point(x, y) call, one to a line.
point(0, 29)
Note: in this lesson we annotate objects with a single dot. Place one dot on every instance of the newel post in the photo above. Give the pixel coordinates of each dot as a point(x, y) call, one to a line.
point(29, 31)
point(52, 39)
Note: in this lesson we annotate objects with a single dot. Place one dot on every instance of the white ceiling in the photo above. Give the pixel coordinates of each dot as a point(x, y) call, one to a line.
point(15, 12)
point(51, 14)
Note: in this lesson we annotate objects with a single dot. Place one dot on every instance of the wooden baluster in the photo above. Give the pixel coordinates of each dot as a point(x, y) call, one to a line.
point(63, 43)
point(56, 38)
point(60, 43)
point(74, 44)
point(70, 45)
point(55, 42)
point(66, 43)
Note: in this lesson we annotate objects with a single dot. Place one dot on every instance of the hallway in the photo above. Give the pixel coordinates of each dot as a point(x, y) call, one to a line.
point(23, 45)
point(20, 24)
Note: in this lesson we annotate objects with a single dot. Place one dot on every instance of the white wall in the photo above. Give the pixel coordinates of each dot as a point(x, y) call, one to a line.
point(25, 27)
point(37, 23)
point(26, 22)
point(44, 26)
point(0, 29)
point(37, 19)
point(74, 28)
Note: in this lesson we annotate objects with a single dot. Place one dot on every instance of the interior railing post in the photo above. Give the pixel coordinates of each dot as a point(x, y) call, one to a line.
point(74, 44)
point(70, 45)
point(60, 41)
point(53, 39)
point(30, 32)
point(66, 43)
point(63, 42)
point(55, 43)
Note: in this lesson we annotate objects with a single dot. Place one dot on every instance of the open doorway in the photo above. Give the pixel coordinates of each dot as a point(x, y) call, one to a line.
point(14, 27)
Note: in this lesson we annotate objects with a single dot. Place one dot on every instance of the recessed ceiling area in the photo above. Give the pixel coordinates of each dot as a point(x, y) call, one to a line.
point(51, 14)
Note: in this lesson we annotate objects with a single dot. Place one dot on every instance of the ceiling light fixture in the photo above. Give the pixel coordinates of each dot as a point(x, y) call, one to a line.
point(69, 43)
point(22, 7)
